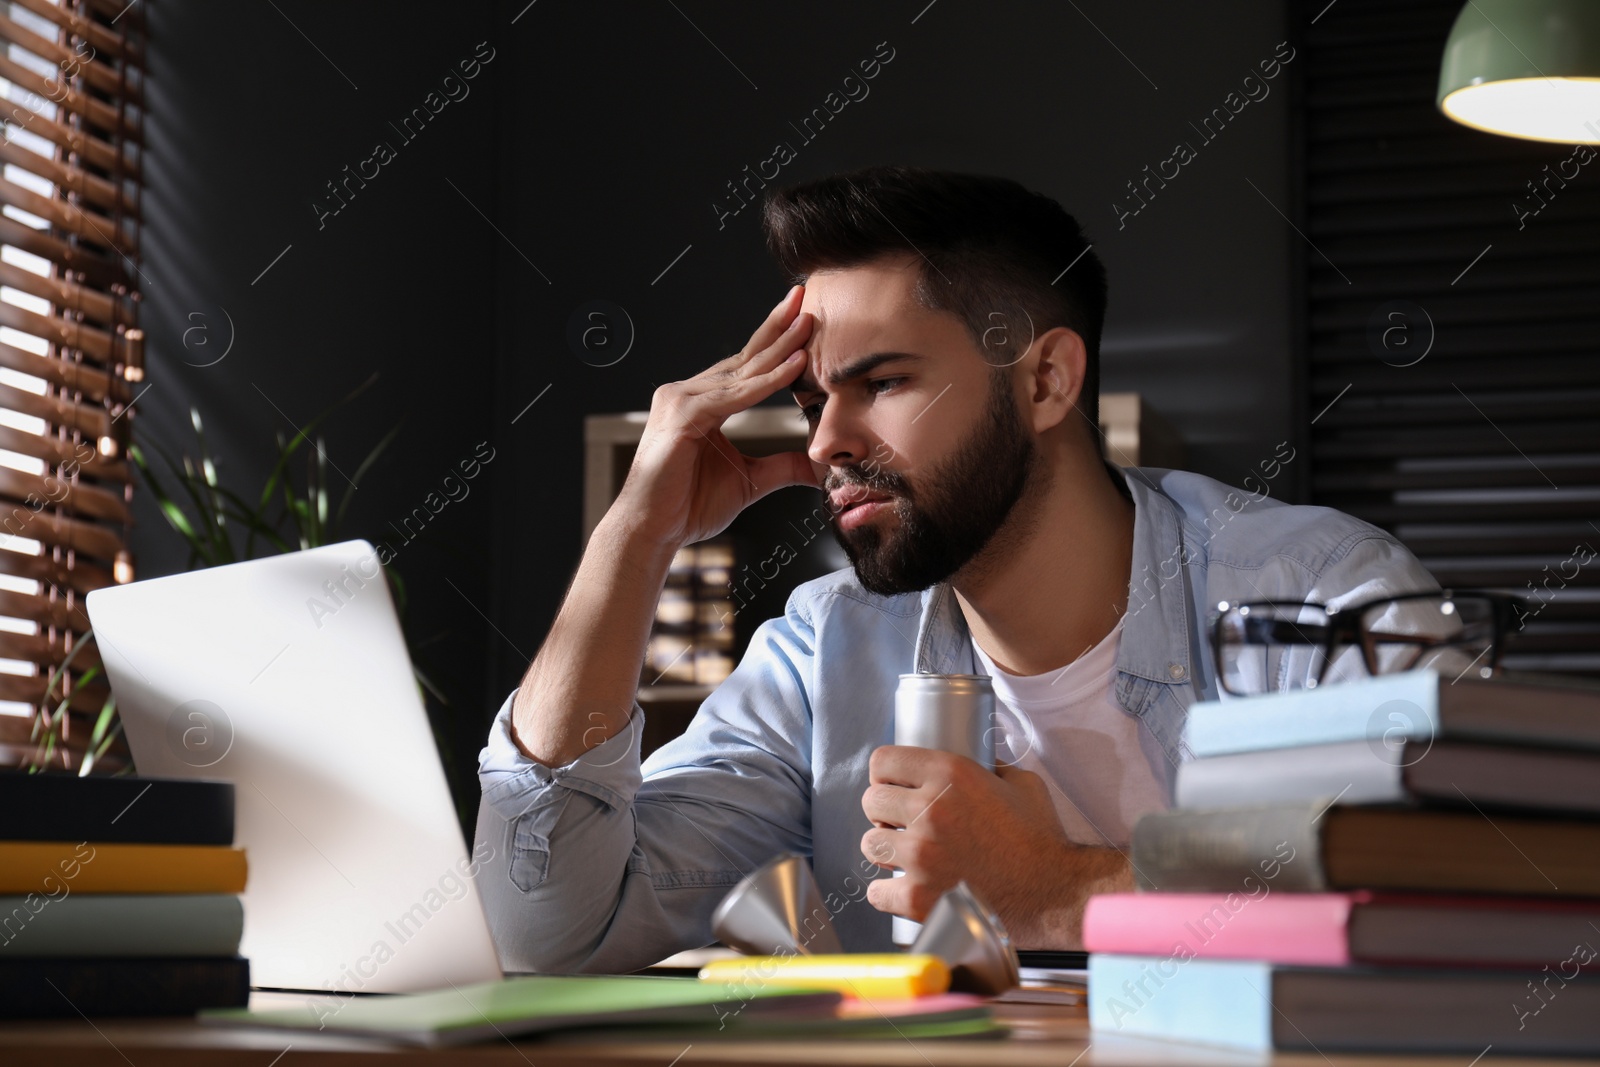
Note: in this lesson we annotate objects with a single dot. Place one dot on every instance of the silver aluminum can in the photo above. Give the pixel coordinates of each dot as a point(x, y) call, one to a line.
point(949, 712)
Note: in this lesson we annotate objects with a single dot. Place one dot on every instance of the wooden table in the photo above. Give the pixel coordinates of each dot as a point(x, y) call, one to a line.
point(1042, 1035)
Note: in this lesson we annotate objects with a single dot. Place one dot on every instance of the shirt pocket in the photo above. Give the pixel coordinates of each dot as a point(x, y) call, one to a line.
point(530, 841)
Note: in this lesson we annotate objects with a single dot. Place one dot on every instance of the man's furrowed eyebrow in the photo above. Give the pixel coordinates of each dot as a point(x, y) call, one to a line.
point(864, 365)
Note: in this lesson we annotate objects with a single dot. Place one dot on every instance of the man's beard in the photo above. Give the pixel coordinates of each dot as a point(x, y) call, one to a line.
point(951, 514)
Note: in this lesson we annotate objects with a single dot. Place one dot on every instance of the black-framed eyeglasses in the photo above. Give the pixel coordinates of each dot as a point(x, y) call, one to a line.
point(1266, 646)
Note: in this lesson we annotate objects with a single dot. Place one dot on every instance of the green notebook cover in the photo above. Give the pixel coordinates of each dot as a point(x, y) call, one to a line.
point(528, 1005)
point(965, 1025)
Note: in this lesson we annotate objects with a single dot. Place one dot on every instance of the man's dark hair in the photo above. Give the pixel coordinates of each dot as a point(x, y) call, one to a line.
point(989, 251)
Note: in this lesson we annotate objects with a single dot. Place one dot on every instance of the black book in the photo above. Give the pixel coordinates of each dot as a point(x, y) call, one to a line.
point(131, 810)
point(55, 987)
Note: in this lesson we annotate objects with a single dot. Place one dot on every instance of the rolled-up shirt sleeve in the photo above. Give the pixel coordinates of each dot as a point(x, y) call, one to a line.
point(609, 772)
point(1373, 567)
point(607, 865)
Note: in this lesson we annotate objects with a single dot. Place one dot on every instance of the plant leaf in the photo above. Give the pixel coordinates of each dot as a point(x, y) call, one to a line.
point(427, 684)
point(366, 465)
point(256, 526)
point(179, 521)
point(286, 452)
point(213, 545)
point(317, 491)
point(162, 498)
point(397, 585)
point(211, 511)
point(107, 727)
point(243, 511)
point(66, 661)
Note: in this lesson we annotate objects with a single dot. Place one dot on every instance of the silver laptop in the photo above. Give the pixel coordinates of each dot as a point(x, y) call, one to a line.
point(289, 677)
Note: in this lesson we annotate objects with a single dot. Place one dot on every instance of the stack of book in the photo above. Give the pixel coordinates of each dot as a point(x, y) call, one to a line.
point(118, 896)
point(1404, 862)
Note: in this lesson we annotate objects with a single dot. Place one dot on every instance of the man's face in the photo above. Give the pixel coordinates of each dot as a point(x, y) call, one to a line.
point(906, 414)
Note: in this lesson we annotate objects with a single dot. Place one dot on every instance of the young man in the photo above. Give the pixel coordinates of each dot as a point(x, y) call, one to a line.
point(950, 388)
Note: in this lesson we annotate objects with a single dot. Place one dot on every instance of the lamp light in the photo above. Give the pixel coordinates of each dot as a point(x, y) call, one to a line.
point(1525, 68)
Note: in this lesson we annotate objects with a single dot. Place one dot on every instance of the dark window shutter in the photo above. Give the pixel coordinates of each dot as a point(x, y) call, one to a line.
point(1453, 314)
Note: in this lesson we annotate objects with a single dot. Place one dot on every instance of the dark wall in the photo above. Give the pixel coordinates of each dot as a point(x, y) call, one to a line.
point(596, 144)
point(398, 282)
point(624, 126)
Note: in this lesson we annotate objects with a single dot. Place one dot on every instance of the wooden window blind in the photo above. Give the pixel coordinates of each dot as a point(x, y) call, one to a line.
point(71, 352)
point(1453, 302)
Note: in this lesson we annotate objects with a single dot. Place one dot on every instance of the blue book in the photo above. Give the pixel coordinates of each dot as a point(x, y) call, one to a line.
point(1390, 709)
point(1260, 1007)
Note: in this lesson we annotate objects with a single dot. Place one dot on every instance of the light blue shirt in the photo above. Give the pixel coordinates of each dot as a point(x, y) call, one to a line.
point(607, 865)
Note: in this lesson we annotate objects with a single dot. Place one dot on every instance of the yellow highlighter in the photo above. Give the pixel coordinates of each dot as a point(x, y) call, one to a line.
point(886, 975)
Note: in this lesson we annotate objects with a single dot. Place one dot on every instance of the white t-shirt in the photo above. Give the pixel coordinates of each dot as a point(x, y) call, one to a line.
point(1067, 727)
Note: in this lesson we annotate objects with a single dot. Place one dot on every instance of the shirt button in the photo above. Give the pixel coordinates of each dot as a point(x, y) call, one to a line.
point(1177, 671)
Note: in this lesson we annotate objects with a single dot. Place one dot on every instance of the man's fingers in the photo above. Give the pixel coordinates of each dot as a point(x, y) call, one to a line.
point(880, 845)
point(892, 805)
point(904, 765)
point(721, 393)
point(778, 319)
point(771, 473)
point(706, 400)
point(764, 360)
point(887, 894)
point(908, 897)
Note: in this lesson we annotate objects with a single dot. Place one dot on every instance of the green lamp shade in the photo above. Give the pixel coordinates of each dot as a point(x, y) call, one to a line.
point(1525, 68)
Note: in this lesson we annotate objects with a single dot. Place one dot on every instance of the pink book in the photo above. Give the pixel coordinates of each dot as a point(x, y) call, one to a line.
point(1336, 929)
